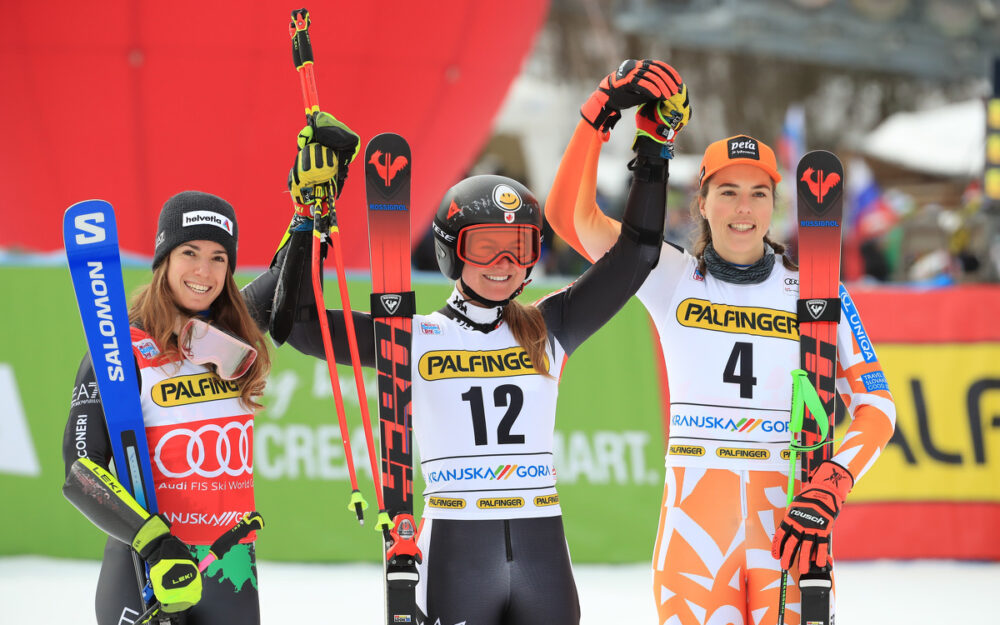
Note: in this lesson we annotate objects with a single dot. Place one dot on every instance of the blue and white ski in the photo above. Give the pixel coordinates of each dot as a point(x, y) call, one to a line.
point(90, 235)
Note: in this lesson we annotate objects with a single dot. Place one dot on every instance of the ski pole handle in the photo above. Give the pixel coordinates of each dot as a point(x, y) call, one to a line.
point(302, 55)
point(251, 521)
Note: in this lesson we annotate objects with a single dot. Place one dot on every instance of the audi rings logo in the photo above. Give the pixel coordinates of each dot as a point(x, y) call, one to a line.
point(209, 451)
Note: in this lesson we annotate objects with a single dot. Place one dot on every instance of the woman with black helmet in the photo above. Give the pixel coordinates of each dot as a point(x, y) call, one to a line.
point(485, 383)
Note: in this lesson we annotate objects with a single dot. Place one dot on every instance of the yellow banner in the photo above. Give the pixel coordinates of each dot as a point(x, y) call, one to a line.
point(947, 441)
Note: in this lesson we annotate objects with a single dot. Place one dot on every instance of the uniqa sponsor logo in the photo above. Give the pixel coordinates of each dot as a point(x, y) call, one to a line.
point(854, 320)
point(705, 315)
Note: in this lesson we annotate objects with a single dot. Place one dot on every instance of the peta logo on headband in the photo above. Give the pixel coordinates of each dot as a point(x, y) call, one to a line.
point(198, 218)
point(743, 147)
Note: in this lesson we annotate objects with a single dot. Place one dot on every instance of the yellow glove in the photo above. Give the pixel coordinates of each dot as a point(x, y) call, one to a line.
point(326, 149)
point(657, 126)
point(314, 175)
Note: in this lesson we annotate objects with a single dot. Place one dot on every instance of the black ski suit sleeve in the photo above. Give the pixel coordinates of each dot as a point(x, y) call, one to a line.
point(259, 293)
point(578, 311)
point(305, 335)
point(86, 435)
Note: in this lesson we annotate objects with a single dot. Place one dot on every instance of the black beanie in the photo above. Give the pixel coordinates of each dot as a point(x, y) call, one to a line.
point(193, 216)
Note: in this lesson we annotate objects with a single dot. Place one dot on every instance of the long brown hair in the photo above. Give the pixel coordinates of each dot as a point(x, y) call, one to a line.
point(704, 234)
point(528, 327)
point(153, 309)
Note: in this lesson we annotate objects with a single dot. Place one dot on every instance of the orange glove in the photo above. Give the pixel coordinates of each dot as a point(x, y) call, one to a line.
point(805, 530)
point(633, 83)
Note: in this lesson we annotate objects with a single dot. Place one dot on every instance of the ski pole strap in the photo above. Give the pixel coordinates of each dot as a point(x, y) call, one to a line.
point(818, 309)
point(394, 304)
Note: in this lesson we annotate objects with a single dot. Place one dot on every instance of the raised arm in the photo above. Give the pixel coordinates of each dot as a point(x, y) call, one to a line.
point(571, 207)
point(575, 313)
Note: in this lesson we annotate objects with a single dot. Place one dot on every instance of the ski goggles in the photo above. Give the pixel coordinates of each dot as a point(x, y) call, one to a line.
point(202, 344)
point(485, 244)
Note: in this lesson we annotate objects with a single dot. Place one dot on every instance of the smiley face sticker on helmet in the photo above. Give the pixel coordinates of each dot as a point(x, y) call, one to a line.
point(506, 197)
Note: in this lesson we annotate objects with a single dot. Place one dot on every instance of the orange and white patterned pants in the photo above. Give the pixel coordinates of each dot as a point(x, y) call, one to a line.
point(712, 563)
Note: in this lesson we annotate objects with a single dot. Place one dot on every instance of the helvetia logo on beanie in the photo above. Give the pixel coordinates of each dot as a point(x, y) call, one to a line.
point(197, 218)
point(743, 147)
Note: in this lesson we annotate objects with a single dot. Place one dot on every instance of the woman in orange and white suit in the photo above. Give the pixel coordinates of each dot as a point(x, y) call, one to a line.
point(726, 318)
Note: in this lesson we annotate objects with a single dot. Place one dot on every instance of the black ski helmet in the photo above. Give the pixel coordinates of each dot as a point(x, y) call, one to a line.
point(485, 199)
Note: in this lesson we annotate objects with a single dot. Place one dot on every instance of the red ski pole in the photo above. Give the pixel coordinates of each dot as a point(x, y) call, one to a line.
point(325, 226)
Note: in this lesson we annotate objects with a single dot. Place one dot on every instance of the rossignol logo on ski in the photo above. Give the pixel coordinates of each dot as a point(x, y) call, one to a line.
point(816, 307)
point(819, 184)
point(90, 231)
point(405, 529)
point(390, 301)
point(387, 166)
point(198, 218)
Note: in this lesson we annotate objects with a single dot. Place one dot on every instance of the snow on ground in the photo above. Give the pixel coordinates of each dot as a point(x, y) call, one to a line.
point(42, 591)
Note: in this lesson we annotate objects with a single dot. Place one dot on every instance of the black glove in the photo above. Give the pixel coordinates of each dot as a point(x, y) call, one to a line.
point(633, 83)
point(173, 573)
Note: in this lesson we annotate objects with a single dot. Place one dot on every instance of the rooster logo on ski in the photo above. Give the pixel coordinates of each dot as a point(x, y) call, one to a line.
point(819, 185)
point(386, 166)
